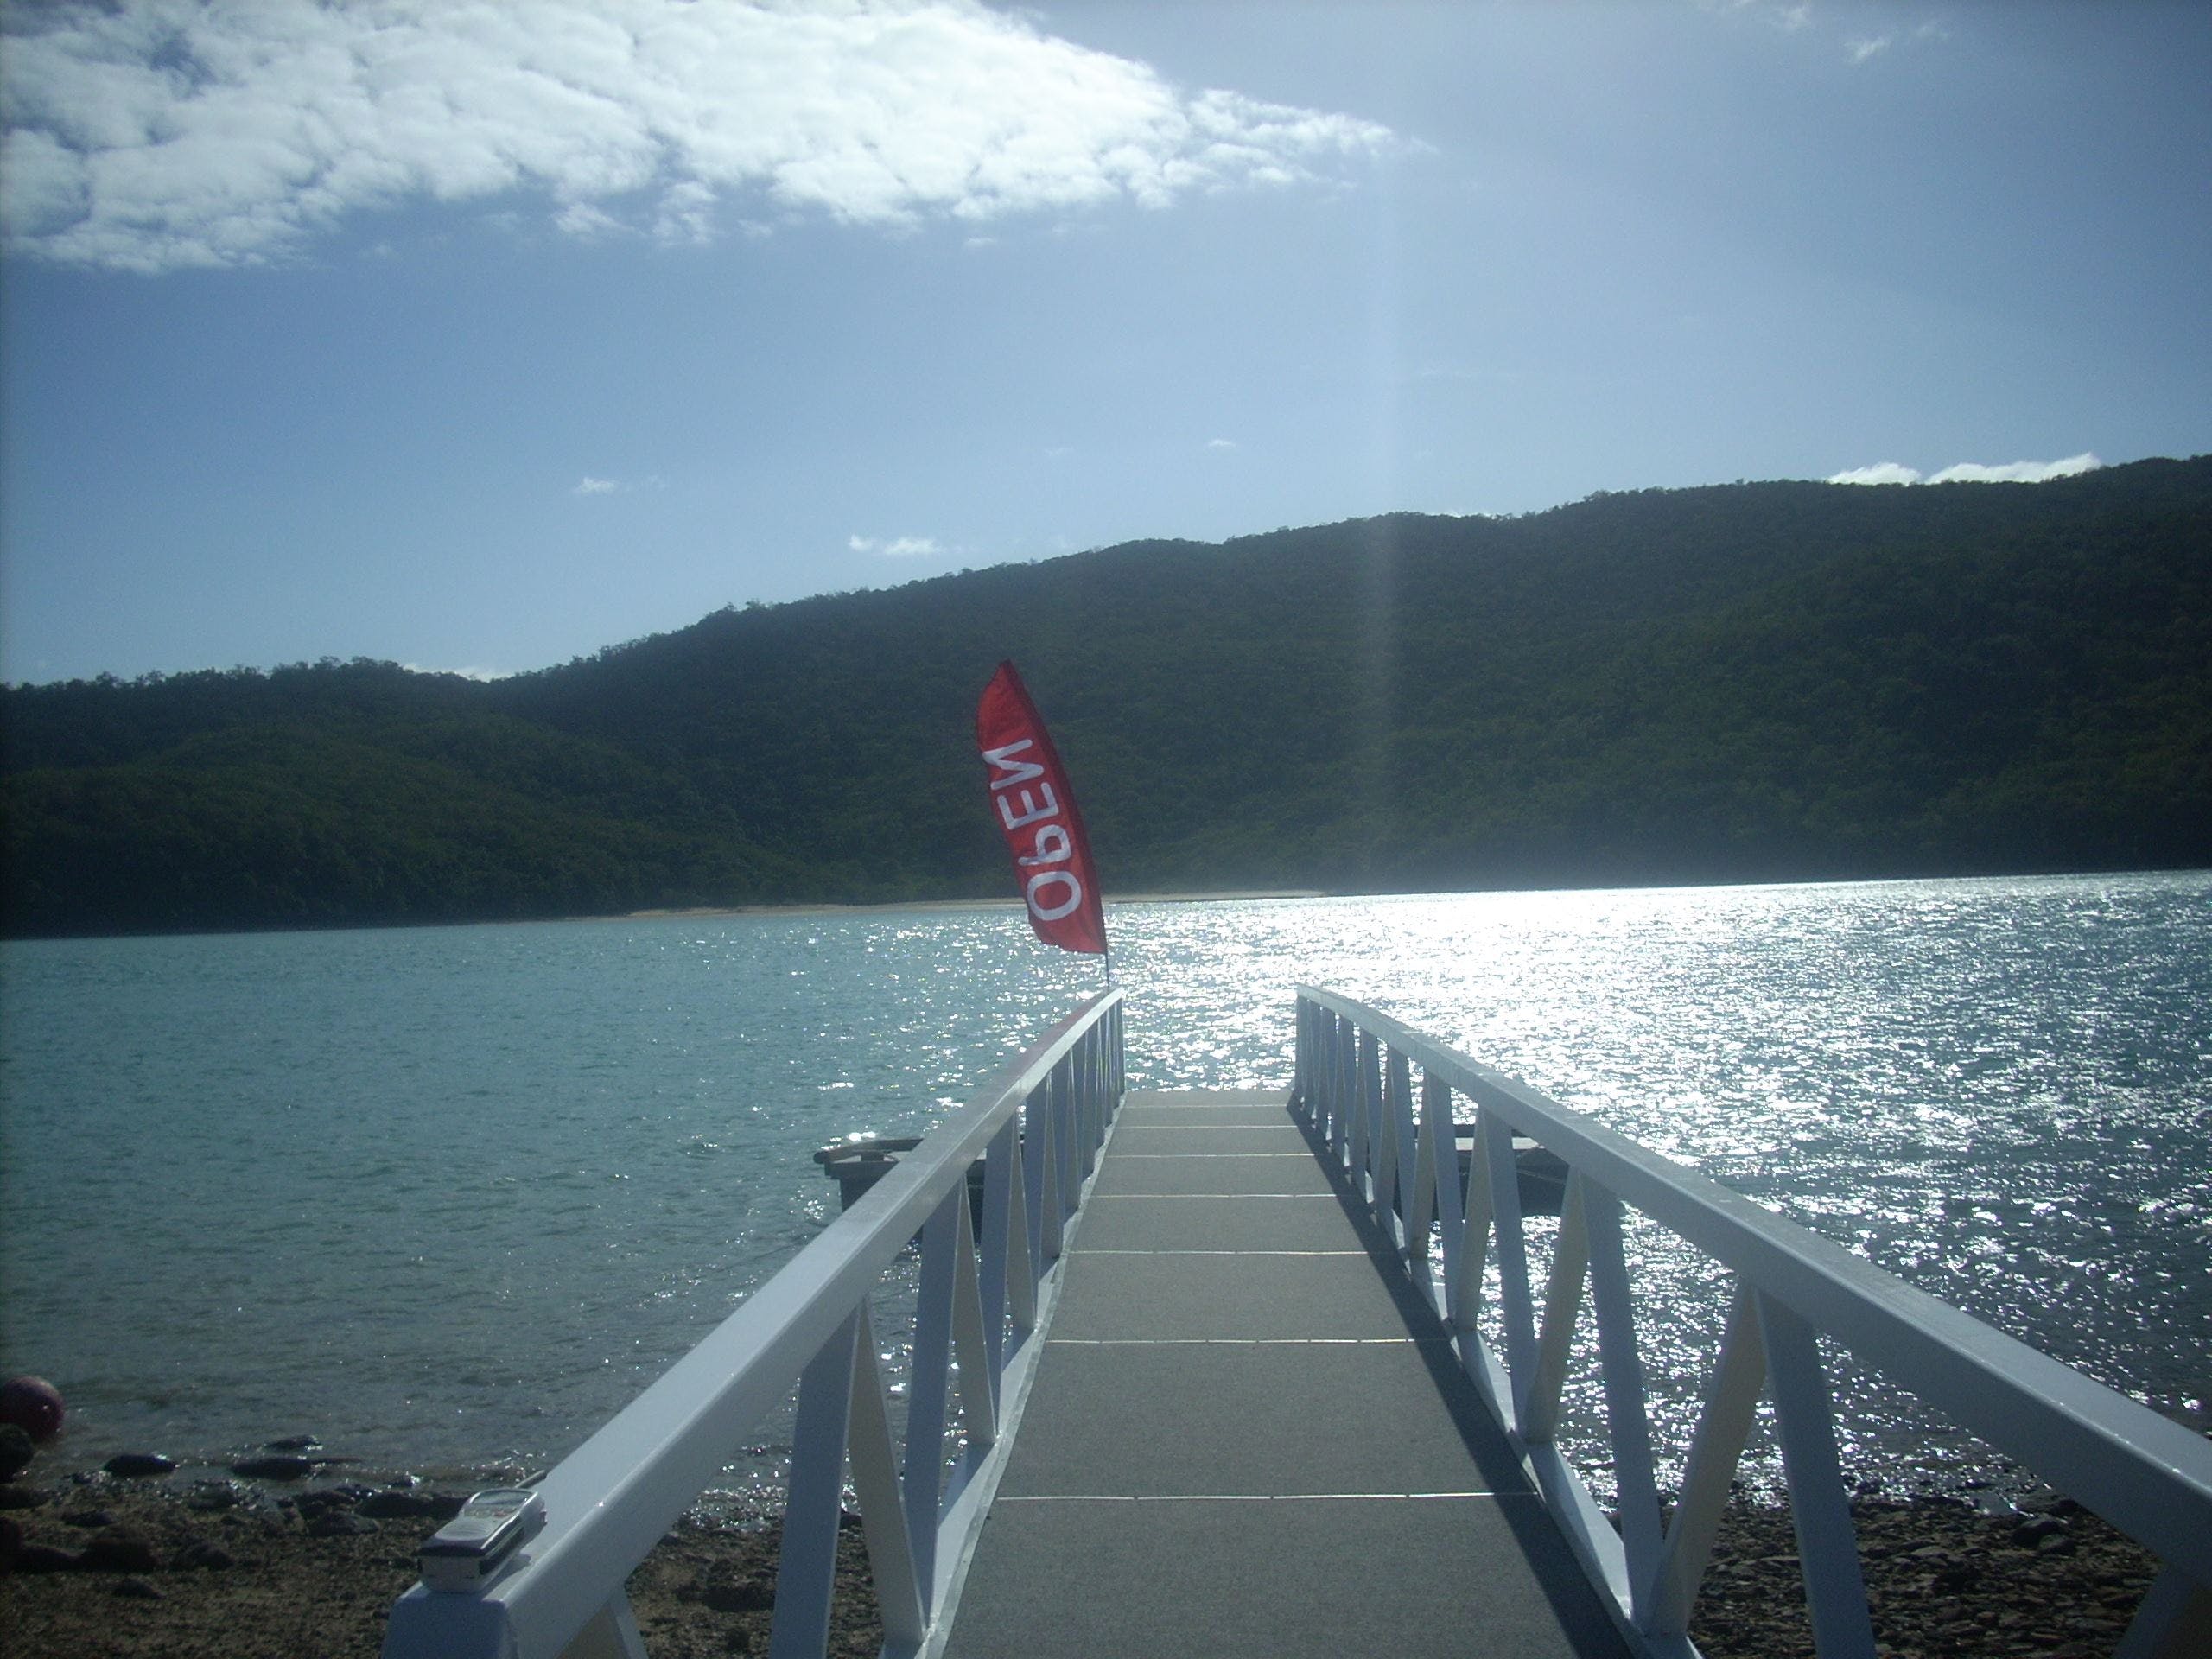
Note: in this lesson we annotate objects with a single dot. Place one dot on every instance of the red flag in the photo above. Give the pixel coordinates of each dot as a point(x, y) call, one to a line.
point(1032, 801)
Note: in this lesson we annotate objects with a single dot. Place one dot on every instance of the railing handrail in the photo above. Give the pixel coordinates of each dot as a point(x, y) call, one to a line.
point(2112, 1453)
point(610, 1501)
point(2149, 1476)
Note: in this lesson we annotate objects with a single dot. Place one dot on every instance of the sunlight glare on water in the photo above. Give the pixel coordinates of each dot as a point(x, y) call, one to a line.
point(450, 1197)
point(1997, 1089)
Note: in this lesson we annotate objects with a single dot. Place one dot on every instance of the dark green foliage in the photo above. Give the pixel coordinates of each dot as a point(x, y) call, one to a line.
point(1746, 681)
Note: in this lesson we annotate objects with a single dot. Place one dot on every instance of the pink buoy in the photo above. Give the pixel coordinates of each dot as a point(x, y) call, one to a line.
point(33, 1405)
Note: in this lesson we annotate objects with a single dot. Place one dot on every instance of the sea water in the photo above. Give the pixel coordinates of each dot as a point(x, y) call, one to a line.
point(447, 1198)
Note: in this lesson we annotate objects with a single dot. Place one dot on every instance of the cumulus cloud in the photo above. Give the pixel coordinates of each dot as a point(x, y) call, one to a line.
point(1882, 472)
point(157, 134)
point(1970, 472)
point(899, 547)
point(2016, 472)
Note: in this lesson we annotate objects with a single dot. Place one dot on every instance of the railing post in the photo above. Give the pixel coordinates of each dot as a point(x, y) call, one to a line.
point(1398, 1094)
point(1451, 1194)
point(1020, 1242)
point(1562, 1308)
point(1475, 1231)
point(1091, 1099)
point(901, 1593)
point(1382, 1144)
point(1120, 1040)
point(1623, 1369)
point(1357, 1045)
point(1000, 1170)
point(979, 1367)
point(840, 1408)
point(1827, 1548)
point(1421, 1214)
point(1372, 1056)
point(2174, 1622)
point(612, 1634)
point(806, 1570)
point(1079, 1100)
point(1042, 1159)
point(1732, 1398)
point(1513, 1298)
point(926, 1386)
point(1344, 1096)
point(1322, 1081)
point(1108, 1101)
point(1067, 1111)
point(1316, 1074)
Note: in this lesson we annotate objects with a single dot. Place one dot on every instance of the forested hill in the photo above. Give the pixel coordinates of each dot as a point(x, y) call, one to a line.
point(1747, 681)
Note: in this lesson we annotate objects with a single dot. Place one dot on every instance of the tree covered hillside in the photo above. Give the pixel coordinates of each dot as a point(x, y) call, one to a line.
point(1745, 681)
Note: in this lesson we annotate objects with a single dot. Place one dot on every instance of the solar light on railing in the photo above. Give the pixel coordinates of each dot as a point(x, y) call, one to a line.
point(464, 1553)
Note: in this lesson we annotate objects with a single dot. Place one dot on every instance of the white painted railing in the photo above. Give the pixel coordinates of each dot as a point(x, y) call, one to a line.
point(2149, 1477)
point(982, 1291)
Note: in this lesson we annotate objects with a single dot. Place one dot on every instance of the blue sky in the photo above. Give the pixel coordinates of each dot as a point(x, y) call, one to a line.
point(480, 338)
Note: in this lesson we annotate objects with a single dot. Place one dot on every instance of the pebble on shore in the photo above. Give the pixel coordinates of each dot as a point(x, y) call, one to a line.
point(230, 1566)
point(227, 1566)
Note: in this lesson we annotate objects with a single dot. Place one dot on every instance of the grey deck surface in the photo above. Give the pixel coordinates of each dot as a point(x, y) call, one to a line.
point(1245, 1439)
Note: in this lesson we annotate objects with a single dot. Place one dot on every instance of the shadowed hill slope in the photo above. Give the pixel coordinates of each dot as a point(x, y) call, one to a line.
point(1744, 682)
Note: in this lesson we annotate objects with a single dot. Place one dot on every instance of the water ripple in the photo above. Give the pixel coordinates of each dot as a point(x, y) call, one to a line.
point(451, 1196)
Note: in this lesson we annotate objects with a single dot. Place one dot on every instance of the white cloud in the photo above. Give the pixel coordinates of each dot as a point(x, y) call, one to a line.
point(1789, 16)
point(582, 220)
point(1798, 17)
point(589, 485)
point(1969, 472)
point(1223, 443)
point(899, 547)
point(685, 214)
point(165, 133)
point(2016, 472)
point(1885, 471)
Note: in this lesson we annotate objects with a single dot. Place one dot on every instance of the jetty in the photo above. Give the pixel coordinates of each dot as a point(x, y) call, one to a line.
point(1249, 1435)
point(1253, 1372)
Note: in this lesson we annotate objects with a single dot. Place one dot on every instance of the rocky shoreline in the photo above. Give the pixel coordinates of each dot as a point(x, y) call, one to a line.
point(138, 1567)
point(1945, 1579)
point(102, 1567)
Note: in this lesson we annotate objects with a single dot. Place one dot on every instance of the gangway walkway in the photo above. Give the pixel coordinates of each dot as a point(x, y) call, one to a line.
point(1246, 1437)
point(1219, 1321)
